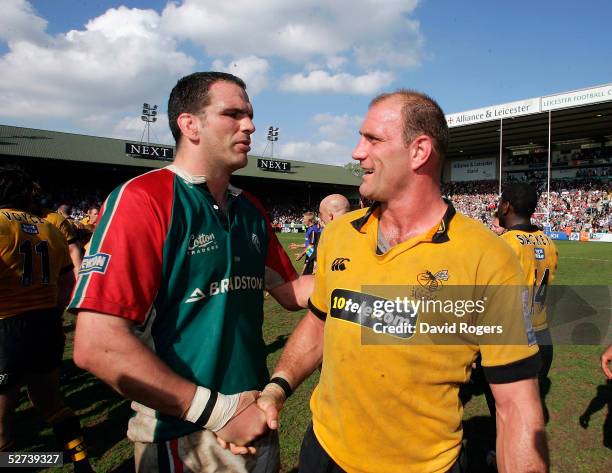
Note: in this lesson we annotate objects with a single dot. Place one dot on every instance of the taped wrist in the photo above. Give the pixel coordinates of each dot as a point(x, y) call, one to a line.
point(283, 384)
point(211, 410)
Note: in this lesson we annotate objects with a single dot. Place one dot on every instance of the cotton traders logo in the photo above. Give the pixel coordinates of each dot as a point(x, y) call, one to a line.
point(96, 263)
point(432, 281)
point(202, 243)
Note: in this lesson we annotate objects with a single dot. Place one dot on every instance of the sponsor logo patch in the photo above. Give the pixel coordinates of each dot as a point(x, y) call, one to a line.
point(370, 311)
point(196, 295)
point(29, 229)
point(202, 243)
point(539, 253)
point(339, 264)
point(233, 283)
point(96, 263)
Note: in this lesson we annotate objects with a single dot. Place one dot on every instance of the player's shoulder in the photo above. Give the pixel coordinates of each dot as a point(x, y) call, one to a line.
point(148, 182)
point(249, 201)
point(351, 218)
point(22, 222)
point(476, 237)
point(156, 185)
point(345, 223)
point(53, 217)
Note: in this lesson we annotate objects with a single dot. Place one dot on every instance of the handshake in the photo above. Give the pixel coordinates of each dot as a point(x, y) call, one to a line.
point(239, 419)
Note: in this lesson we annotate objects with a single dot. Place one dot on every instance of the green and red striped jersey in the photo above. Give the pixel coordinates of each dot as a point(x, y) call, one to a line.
point(191, 277)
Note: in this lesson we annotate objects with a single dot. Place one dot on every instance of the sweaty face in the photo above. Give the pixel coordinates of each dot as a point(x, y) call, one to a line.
point(381, 152)
point(226, 125)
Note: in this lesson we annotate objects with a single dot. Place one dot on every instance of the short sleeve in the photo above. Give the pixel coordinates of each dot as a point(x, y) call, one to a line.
point(121, 272)
point(279, 268)
point(318, 303)
point(510, 352)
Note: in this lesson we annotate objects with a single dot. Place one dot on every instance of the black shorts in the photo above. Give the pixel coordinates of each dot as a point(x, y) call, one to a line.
point(30, 343)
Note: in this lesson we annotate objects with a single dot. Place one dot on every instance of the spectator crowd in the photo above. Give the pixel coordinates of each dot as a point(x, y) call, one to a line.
point(575, 205)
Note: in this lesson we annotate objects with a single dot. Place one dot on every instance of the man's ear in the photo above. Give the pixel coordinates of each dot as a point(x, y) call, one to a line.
point(421, 152)
point(504, 207)
point(188, 124)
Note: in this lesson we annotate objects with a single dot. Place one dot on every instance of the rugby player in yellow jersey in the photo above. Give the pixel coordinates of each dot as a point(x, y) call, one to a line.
point(35, 277)
point(59, 220)
point(391, 406)
point(538, 256)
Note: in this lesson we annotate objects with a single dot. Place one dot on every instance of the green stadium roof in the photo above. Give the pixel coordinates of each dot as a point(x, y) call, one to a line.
point(44, 144)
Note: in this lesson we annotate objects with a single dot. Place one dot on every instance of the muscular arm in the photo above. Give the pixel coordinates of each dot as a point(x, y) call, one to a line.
point(304, 351)
point(302, 355)
point(521, 436)
point(294, 295)
point(106, 346)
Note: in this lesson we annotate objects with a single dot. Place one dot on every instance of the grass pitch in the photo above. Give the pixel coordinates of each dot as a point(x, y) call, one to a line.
point(578, 390)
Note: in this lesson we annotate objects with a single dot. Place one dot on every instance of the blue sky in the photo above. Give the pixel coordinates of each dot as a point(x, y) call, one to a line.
point(311, 67)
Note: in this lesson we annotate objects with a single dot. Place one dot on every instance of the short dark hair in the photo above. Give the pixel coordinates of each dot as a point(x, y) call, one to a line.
point(421, 116)
point(522, 197)
point(16, 187)
point(190, 95)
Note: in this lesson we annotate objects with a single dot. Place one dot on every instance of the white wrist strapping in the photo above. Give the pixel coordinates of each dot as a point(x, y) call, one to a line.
point(211, 410)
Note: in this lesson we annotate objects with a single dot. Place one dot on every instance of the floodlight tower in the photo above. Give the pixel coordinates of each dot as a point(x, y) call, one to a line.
point(149, 115)
point(272, 138)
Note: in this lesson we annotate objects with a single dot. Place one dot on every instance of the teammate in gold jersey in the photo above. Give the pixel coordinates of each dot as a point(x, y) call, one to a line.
point(538, 256)
point(35, 277)
point(393, 406)
point(63, 224)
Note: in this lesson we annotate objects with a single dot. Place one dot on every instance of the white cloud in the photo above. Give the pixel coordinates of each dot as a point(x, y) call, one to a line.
point(338, 127)
point(19, 22)
point(322, 81)
point(252, 70)
point(323, 152)
point(296, 31)
point(336, 62)
point(118, 61)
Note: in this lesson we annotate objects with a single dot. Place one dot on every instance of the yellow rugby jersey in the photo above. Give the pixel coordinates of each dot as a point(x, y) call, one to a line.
point(538, 256)
point(388, 403)
point(62, 224)
point(33, 254)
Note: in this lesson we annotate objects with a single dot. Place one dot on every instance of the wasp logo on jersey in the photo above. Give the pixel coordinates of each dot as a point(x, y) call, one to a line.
point(432, 281)
point(539, 253)
point(96, 263)
point(29, 229)
point(339, 264)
